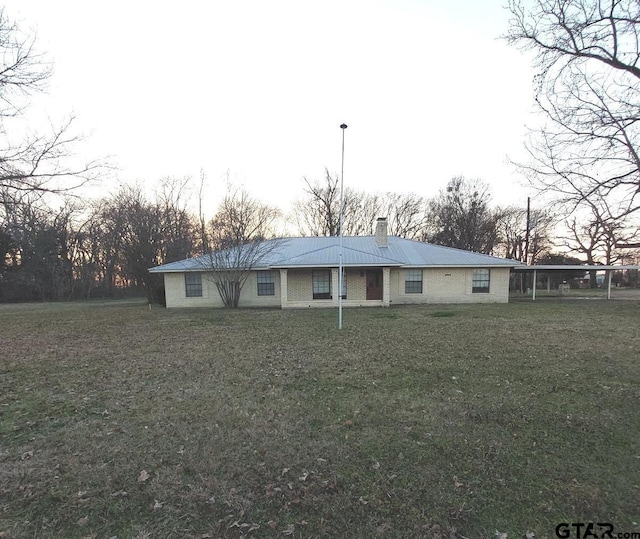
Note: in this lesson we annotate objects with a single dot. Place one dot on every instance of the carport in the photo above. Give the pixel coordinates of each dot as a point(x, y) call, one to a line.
point(549, 268)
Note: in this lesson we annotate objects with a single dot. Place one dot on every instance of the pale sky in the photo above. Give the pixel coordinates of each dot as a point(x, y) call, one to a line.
point(259, 88)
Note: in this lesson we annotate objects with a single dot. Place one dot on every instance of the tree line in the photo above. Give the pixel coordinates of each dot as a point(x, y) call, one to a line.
point(104, 248)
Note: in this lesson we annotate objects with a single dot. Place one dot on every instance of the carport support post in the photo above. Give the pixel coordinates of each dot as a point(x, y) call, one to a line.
point(533, 285)
point(608, 277)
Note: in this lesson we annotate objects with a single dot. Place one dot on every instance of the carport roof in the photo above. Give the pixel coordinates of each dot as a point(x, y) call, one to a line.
point(585, 267)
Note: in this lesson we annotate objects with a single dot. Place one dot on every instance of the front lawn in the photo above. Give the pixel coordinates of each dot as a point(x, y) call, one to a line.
point(427, 421)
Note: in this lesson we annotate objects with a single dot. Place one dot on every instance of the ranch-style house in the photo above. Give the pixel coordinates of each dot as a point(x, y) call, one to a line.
point(379, 270)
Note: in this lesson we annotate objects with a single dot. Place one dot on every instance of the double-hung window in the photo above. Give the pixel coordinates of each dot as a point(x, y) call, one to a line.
point(481, 281)
point(266, 283)
point(413, 281)
point(321, 284)
point(193, 285)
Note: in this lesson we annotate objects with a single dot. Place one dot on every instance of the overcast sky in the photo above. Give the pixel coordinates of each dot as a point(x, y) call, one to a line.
point(259, 89)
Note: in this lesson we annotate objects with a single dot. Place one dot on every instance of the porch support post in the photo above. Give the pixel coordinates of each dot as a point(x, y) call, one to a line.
point(335, 285)
point(284, 292)
point(608, 278)
point(386, 286)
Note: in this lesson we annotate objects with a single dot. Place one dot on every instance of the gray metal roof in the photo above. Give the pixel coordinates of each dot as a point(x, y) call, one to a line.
point(357, 251)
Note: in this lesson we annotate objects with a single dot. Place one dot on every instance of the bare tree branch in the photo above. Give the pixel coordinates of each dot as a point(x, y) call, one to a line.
point(41, 163)
point(239, 233)
point(587, 57)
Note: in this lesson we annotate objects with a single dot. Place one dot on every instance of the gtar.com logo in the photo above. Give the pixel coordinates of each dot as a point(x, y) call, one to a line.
point(591, 530)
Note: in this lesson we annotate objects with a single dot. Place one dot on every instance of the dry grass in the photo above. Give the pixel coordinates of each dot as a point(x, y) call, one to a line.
point(444, 421)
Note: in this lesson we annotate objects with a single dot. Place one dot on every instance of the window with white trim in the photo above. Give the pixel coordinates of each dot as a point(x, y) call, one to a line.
point(266, 283)
point(481, 281)
point(413, 281)
point(321, 284)
point(193, 285)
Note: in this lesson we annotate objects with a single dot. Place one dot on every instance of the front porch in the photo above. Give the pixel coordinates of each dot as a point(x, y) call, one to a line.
point(318, 287)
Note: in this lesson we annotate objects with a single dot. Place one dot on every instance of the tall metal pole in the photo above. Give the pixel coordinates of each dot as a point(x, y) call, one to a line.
point(526, 248)
point(343, 127)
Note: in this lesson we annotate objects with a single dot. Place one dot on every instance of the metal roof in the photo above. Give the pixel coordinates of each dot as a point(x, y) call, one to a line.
point(357, 251)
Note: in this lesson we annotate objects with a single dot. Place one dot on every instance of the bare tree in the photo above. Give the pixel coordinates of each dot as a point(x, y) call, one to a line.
point(240, 235)
point(179, 227)
point(596, 236)
point(37, 250)
point(587, 56)
point(512, 229)
point(127, 233)
point(142, 238)
point(87, 257)
point(22, 70)
point(36, 163)
point(406, 214)
point(318, 214)
point(460, 217)
point(202, 223)
point(240, 218)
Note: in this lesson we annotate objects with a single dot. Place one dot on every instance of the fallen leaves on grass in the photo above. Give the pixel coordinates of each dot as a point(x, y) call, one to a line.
point(144, 475)
point(248, 527)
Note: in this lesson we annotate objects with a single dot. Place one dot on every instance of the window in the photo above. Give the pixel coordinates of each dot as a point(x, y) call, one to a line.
point(193, 285)
point(322, 284)
point(481, 280)
point(266, 283)
point(413, 282)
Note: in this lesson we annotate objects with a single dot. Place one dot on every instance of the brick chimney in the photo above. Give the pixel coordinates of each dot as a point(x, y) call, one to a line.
point(381, 232)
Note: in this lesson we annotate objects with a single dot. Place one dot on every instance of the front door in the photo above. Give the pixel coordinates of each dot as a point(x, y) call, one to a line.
point(374, 284)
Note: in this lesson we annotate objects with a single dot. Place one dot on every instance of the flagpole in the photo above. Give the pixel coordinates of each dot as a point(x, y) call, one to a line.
point(343, 127)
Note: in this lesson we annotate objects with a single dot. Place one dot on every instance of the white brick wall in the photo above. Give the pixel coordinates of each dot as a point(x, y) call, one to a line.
point(450, 285)
point(300, 287)
point(439, 285)
point(176, 294)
